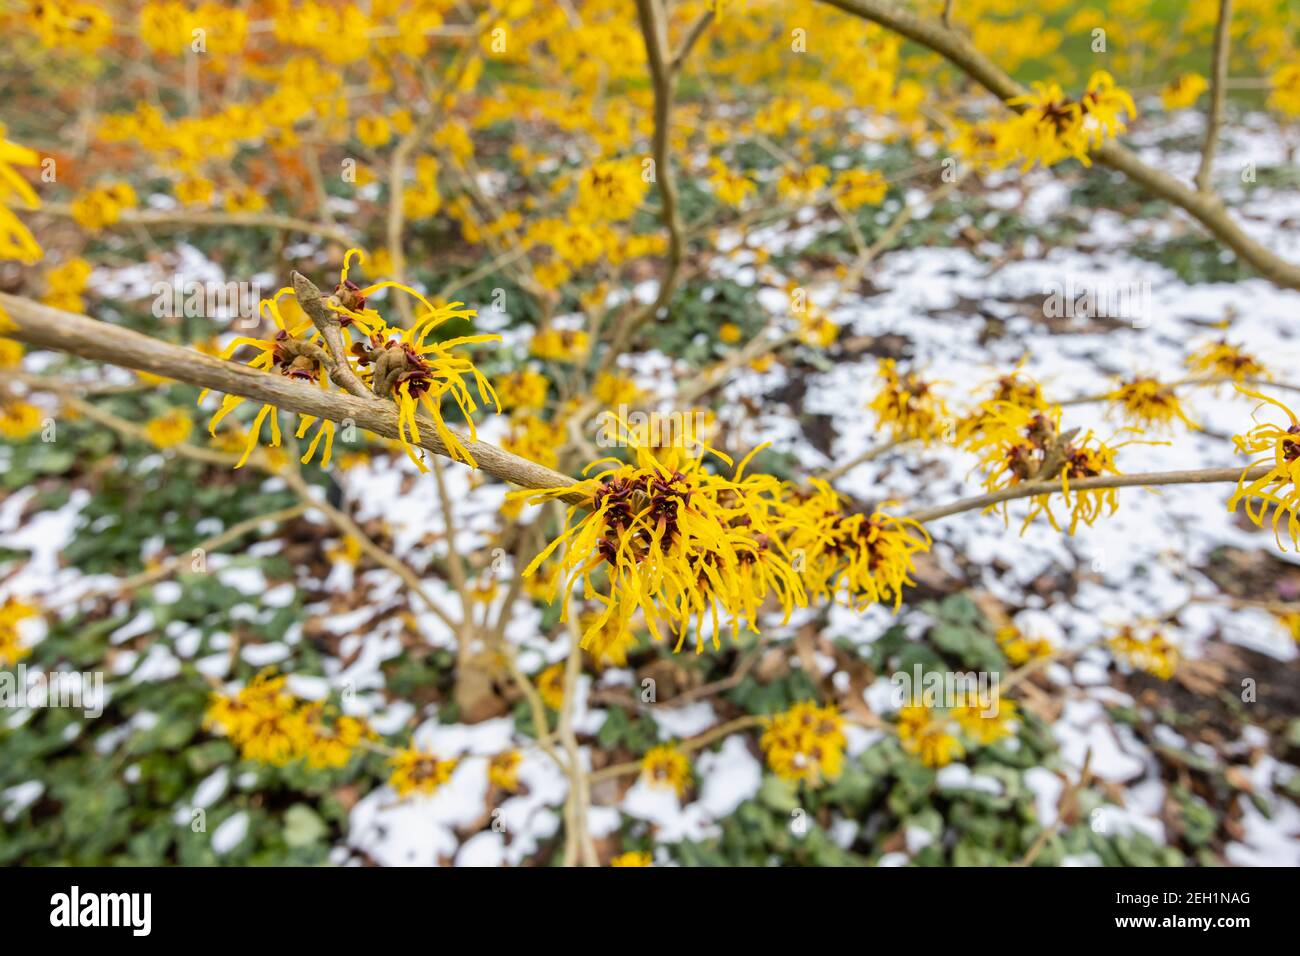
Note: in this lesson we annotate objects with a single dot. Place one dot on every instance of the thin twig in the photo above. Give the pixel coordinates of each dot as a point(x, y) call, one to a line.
point(1033, 488)
point(45, 327)
point(1218, 91)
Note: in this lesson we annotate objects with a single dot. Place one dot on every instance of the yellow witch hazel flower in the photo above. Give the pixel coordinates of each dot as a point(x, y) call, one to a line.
point(805, 743)
point(1146, 648)
point(415, 771)
point(633, 858)
point(1146, 403)
point(989, 145)
point(863, 559)
point(608, 645)
point(416, 373)
point(268, 724)
point(1014, 388)
point(674, 541)
point(731, 188)
point(610, 191)
point(170, 429)
point(1183, 91)
point(1226, 359)
point(907, 405)
point(550, 685)
point(928, 735)
point(860, 187)
point(395, 363)
point(1285, 84)
point(18, 419)
point(12, 648)
point(102, 206)
point(70, 24)
point(1277, 489)
point(524, 390)
point(1054, 127)
point(1017, 444)
point(1019, 647)
point(503, 770)
point(65, 283)
point(16, 241)
point(666, 766)
point(986, 724)
point(294, 357)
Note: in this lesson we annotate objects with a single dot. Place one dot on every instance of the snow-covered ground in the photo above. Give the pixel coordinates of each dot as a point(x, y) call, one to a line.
point(1142, 562)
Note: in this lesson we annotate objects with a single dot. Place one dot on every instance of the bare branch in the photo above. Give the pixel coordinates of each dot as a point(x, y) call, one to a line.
point(1218, 89)
point(692, 37)
point(196, 217)
point(654, 28)
point(1031, 488)
point(44, 327)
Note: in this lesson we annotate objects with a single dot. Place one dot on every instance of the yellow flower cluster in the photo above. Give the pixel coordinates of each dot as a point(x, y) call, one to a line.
point(1277, 489)
point(666, 766)
point(928, 735)
point(503, 770)
point(1146, 648)
point(170, 429)
point(1146, 403)
point(1020, 648)
point(1285, 89)
point(550, 685)
point(855, 188)
point(102, 206)
point(633, 858)
point(805, 744)
point(12, 648)
point(607, 643)
point(70, 24)
point(535, 439)
point(1226, 359)
point(171, 28)
point(65, 283)
point(934, 736)
point(18, 419)
point(861, 559)
point(270, 725)
point(689, 549)
point(674, 541)
point(524, 390)
point(1183, 91)
point(16, 240)
point(560, 345)
point(415, 771)
point(1050, 126)
point(907, 405)
point(730, 187)
point(396, 363)
point(1016, 444)
point(610, 191)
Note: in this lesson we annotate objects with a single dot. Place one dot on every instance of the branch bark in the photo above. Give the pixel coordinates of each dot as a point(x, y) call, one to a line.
point(222, 220)
point(1218, 90)
point(663, 72)
point(1031, 488)
point(44, 327)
